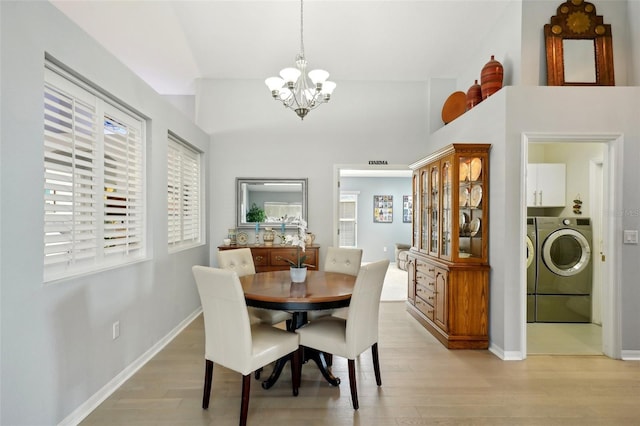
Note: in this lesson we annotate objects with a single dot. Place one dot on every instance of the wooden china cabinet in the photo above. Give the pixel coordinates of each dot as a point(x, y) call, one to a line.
point(448, 260)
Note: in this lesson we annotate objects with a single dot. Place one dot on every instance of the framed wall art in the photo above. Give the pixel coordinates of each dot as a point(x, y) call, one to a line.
point(383, 208)
point(407, 207)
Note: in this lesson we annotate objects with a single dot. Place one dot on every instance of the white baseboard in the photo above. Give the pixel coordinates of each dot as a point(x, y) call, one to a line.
point(505, 355)
point(99, 397)
point(630, 355)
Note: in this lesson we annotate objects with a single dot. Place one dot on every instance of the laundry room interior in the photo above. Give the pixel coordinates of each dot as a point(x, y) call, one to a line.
point(565, 187)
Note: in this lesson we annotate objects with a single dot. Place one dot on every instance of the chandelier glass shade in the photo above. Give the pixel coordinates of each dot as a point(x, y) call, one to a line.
point(292, 87)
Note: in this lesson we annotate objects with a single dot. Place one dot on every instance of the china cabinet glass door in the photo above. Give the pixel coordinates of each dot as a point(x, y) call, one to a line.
point(470, 244)
point(434, 209)
point(415, 242)
point(446, 209)
point(425, 209)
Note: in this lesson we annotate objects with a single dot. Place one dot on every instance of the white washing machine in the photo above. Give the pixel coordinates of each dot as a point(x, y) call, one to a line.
point(532, 264)
point(565, 269)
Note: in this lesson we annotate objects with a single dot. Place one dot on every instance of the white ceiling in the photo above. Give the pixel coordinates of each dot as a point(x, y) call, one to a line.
point(170, 44)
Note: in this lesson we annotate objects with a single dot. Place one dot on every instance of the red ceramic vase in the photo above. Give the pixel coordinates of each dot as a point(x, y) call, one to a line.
point(474, 95)
point(491, 78)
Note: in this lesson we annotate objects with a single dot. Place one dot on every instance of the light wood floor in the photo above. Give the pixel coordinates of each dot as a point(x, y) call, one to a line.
point(422, 384)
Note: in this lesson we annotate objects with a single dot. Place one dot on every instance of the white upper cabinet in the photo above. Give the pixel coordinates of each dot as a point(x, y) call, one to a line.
point(546, 185)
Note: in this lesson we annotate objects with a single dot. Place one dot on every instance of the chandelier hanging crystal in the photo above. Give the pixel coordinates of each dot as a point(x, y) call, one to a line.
point(293, 89)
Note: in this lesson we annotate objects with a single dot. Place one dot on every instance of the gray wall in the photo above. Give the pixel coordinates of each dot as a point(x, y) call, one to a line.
point(394, 127)
point(57, 347)
point(57, 350)
point(501, 120)
point(374, 237)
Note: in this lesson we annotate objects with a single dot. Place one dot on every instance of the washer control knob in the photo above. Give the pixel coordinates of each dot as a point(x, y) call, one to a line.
point(566, 222)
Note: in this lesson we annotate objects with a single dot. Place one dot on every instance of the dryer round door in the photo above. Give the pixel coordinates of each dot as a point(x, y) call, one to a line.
point(566, 252)
point(531, 254)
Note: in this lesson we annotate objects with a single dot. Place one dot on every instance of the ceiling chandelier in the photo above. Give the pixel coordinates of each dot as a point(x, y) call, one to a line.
point(294, 90)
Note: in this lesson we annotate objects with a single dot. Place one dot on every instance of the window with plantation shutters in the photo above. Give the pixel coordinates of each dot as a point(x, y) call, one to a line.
point(183, 194)
point(348, 219)
point(123, 224)
point(94, 186)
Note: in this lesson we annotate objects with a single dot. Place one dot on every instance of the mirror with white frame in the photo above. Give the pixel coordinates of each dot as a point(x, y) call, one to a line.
point(277, 200)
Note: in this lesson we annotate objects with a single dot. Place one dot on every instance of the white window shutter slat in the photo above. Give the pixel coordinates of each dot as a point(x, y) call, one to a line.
point(93, 181)
point(183, 194)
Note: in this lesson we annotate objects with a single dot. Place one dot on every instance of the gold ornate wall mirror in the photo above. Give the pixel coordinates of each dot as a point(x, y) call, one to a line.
point(579, 47)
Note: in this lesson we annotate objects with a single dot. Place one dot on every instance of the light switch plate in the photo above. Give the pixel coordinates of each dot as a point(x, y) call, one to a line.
point(630, 237)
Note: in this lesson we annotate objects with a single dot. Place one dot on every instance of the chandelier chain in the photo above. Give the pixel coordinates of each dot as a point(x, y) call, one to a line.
point(302, 28)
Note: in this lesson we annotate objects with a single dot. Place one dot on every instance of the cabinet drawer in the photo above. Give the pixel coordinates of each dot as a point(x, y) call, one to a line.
point(278, 257)
point(427, 280)
point(260, 257)
point(425, 308)
point(425, 268)
point(425, 293)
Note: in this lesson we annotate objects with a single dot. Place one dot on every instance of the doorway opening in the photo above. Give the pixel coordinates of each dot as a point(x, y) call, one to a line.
point(380, 178)
point(355, 189)
point(579, 321)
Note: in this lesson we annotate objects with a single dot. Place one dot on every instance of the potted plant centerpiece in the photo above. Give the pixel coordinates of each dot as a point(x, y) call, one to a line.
point(298, 268)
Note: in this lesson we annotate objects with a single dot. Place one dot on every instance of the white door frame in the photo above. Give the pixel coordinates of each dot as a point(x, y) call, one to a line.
point(611, 233)
point(596, 196)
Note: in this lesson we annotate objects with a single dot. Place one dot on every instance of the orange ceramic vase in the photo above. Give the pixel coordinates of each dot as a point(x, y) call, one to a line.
point(491, 78)
point(474, 95)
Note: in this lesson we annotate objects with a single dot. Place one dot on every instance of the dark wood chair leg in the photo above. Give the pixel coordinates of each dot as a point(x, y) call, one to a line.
point(301, 357)
point(256, 373)
point(376, 363)
point(244, 405)
point(208, 376)
point(296, 371)
point(352, 383)
point(328, 358)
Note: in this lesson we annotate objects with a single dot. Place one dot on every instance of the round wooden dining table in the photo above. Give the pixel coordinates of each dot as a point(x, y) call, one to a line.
point(321, 290)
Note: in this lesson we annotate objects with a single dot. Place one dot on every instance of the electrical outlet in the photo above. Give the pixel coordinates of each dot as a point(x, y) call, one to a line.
point(384, 249)
point(630, 237)
point(116, 330)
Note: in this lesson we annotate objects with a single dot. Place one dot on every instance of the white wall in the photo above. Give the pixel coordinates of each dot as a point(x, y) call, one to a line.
point(501, 121)
point(56, 340)
point(245, 125)
point(57, 347)
point(633, 19)
point(503, 41)
point(270, 141)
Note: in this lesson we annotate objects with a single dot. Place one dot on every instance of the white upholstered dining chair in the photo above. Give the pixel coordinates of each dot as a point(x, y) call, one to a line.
point(241, 261)
point(350, 337)
point(230, 338)
point(345, 261)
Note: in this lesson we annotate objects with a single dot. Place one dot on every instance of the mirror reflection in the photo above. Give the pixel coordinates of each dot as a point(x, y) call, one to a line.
point(272, 202)
point(579, 61)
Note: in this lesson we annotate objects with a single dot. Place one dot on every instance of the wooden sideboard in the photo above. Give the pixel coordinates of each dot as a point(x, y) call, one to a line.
point(272, 258)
